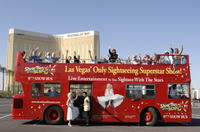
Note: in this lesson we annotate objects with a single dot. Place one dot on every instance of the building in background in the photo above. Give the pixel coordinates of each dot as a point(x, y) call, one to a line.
point(195, 93)
point(20, 40)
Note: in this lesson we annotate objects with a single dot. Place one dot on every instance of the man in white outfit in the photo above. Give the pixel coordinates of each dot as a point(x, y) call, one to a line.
point(86, 107)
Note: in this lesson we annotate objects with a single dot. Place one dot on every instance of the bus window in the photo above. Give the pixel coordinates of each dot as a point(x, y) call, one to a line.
point(137, 91)
point(52, 89)
point(78, 88)
point(178, 91)
point(17, 88)
point(36, 90)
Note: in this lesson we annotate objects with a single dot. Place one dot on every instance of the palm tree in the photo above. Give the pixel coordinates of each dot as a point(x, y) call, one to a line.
point(9, 75)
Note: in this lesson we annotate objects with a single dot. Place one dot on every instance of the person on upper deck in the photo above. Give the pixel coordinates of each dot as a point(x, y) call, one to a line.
point(155, 59)
point(51, 58)
point(146, 60)
point(113, 56)
point(165, 58)
point(135, 59)
point(33, 55)
point(24, 57)
point(48, 58)
point(76, 58)
point(93, 60)
point(38, 58)
point(68, 58)
point(54, 58)
point(176, 52)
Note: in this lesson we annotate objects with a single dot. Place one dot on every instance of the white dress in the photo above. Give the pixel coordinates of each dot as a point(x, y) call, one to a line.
point(109, 95)
point(72, 111)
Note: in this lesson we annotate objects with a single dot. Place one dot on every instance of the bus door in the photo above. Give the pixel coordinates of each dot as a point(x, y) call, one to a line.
point(78, 88)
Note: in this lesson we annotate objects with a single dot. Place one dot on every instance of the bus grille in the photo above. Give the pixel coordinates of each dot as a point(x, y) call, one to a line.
point(18, 103)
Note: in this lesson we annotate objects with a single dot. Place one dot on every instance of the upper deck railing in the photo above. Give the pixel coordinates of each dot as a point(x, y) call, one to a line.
point(135, 60)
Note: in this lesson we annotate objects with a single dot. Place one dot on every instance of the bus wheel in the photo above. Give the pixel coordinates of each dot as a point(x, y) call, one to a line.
point(53, 115)
point(150, 117)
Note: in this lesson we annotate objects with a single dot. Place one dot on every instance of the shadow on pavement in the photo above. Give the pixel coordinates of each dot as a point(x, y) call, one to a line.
point(82, 123)
point(195, 122)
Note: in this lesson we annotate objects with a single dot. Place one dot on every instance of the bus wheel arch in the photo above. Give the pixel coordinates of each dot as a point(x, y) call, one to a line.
point(53, 115)
point(150, 116)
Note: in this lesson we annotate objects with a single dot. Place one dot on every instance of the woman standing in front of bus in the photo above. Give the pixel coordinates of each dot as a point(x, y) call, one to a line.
point(72, 111)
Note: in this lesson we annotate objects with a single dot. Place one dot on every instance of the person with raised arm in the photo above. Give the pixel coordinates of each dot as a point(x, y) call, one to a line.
point(176, 51)
point(68, 58)
point(93, 60)
point(76, 58)
point(48, 58)
point(39, 59)
point(33, 55)
point(24, 57)
point(54, 58)
point(176, 54)
point(113, 56)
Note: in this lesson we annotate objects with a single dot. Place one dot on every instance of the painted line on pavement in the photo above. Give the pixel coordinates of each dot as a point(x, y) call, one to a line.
point(195, 115)
point(195, 107)
point(6, 105)
point(5, 116)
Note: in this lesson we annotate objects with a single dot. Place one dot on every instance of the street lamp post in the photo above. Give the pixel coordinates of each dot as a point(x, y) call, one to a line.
point(3, 79)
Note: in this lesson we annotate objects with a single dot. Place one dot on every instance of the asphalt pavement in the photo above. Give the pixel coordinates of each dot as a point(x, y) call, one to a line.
point(9, 125)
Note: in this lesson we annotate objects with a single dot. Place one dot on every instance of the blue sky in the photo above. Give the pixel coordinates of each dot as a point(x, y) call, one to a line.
point(130, 26)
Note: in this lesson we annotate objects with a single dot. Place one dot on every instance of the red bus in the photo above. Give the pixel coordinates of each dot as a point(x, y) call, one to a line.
point(138, 93)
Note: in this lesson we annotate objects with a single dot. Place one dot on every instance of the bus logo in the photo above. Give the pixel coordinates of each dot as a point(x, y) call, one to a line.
point(175, 106)
point(41, 70)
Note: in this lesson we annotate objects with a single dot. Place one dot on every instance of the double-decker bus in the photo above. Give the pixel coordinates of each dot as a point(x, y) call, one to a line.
point(118, 92)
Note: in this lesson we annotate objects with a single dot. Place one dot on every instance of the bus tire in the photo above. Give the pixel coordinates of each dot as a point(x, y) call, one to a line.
point(53, 115)
point(150, 117)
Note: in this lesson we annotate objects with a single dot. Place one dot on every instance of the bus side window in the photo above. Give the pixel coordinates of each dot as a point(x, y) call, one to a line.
point(133, 91)
point(52, 89)
point(148, 91)
point(178, 91)
point(36, 90)
point(137, 91)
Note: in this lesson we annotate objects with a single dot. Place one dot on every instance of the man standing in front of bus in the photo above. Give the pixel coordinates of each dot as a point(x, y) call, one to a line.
point(86, 107)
